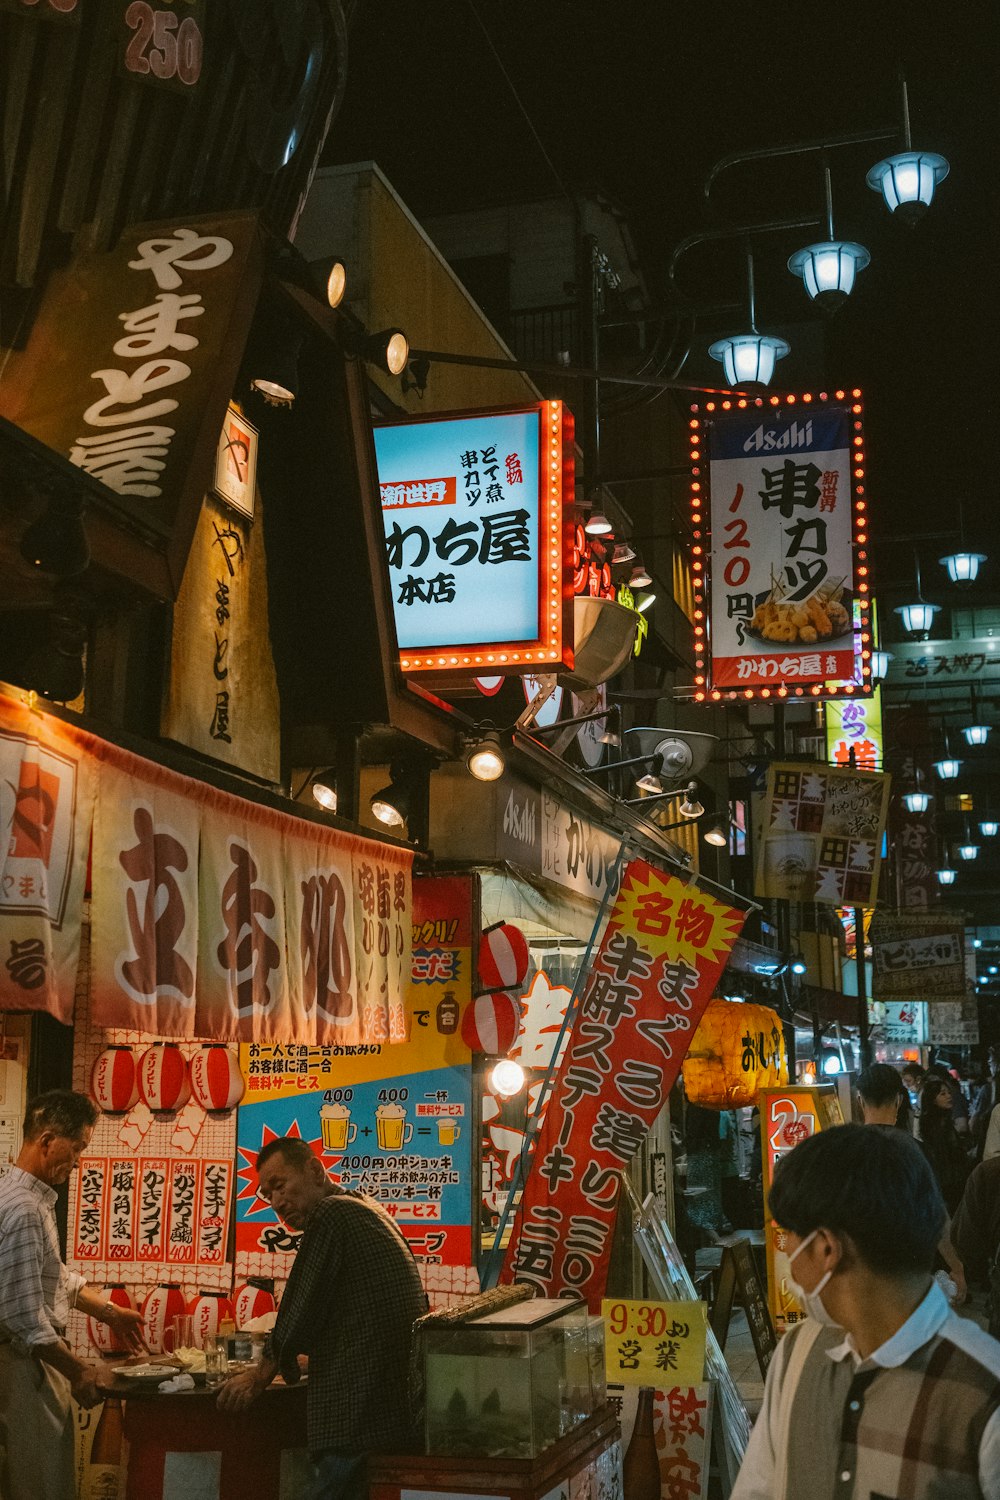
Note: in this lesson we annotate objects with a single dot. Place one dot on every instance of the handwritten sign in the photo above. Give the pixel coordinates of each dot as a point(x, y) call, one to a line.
point(654, 1343)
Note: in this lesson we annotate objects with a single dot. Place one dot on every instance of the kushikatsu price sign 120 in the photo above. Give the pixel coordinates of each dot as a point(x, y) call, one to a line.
point(476, 545)
point(788, 546)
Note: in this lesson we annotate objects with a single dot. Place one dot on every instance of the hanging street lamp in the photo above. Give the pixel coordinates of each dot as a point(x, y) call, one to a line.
point(918, 618)
point(880, 665)
point(829, 267)
point(916, 802)
point(963, 567)
point(989, 829)
point(946, 875)
point(749, 358)
point(908, 179)
point(948, 768)
point(976, 734)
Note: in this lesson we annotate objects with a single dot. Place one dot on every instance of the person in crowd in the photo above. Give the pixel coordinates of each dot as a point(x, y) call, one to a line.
point(38, 1372)
point(881, 1390)
point(883, 1097)
point(352, 1299)
point(913, 1082)
point(940, 1143)
point(975, 1231)
point(985, 1101)
point(949, 1076)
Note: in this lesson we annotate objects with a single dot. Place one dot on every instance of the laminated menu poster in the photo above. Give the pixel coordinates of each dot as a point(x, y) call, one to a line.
point(394, 1122)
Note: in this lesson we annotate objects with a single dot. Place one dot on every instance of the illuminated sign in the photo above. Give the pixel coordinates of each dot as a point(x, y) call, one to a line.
point(855, 724)
point(779, 561)
point(478, 553)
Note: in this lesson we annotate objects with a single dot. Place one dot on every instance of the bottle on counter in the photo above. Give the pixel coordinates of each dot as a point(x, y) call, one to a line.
point(641, 1464)
point(105, 1476)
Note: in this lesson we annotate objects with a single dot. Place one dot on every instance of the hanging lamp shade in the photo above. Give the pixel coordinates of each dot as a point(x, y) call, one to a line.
point(907, 182)
point(963, 567)
point(114, 1085)
point(989, 829)
point(976, 734)
point(503, 957)
point(917, 618)
point(164, 1080)
point(749, 358)
point(968, 851)
point(880, 664)
point(948, 768)
point(216, 1081)
point(736, 1051)
point(946, 875)
point(828, 270)
point(916, 802)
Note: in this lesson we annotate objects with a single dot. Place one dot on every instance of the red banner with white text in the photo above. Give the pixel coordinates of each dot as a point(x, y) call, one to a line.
point(664, 948)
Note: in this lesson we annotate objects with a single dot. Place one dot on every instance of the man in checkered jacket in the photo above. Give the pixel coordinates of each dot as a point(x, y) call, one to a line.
point(350, 1305)
point(882, 1392)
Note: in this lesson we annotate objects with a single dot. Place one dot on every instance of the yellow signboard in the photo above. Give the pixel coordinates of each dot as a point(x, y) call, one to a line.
point(660, 1344)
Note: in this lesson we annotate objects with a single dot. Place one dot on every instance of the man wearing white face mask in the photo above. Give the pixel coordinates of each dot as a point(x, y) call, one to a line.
point(882, 1393)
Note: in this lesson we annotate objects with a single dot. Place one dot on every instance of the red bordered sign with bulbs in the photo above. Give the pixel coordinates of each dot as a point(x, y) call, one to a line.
point(779, 546)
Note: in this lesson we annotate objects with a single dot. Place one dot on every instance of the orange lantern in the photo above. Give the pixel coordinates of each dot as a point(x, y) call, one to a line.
point(737, 1050)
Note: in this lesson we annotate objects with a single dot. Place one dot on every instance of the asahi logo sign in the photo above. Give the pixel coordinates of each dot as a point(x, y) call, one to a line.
point(520, 821)
point(776, 439)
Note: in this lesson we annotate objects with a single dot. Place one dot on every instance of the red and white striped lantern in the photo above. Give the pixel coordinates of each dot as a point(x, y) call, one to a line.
point(101, 1336)
point(503, 957)
point(216, 1081)
point(252, 1302)
point(491, 1023)
point(161, 1307)
point(164, 1079)
point(207, 1311)
point(114, 1086)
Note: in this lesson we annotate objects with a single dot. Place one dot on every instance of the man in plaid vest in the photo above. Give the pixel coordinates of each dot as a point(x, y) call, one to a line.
point(882, 1392)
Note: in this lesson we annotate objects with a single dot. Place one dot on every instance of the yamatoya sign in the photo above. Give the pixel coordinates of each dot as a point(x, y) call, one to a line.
point(787, 554)
point(663, 950)
point(477, 550)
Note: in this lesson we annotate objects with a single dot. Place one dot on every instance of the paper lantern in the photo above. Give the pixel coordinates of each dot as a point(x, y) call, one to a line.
point(216, 1081)
point(503, 957)
point(164, 1079)
point(101, 1336)
point(114, 1086)
point(252, 1301)
point(491, 1023)
point(207, 1311)
point(737, 1050)
point(161, 1307)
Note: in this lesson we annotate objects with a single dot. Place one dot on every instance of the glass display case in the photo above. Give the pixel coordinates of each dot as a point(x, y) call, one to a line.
point(511, 1383)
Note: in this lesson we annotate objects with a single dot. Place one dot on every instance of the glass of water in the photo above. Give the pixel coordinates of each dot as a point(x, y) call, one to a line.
point(216, 1363)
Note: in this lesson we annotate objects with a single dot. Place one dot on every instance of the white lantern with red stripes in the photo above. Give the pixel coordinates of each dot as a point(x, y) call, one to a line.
point(207, 1311)
point(253, 1301)
point(114, 1085)
point(164, 1078)
point(216, 1081)
point(491, 1023)
point(101, 1336)
point(503, 957)
point(161, 1307)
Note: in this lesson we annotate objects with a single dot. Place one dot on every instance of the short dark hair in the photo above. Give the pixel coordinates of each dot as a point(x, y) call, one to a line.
point(60, 1110)
point(291, 1148)
point(869, 1182)
point(880, 1084)
point(915, 1069)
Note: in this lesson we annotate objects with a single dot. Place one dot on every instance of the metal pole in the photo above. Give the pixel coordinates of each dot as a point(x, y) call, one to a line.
point(828, 188)
point(750, 291)
point(859, 959)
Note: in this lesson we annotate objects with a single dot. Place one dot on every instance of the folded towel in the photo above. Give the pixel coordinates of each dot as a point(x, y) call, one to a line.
point(178, 1383)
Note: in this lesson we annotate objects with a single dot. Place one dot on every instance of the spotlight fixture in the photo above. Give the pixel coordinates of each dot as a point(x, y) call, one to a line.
point(963, 567)
point(394, 803)
point(597, 524)
point(275, 355)
point(507, 1078)
point(645, 602)
point(623, 553)
point(55, 669)
point(948, 768)
point(484, 756)
point(415, 376)
point(715, 834)
point(976, 734)
point(56, 544)
point(388, 348)
point(324, 790)
point(798, 964)
point(639, 578)
point(691, 807)
point(650, 780)
point(334, 280)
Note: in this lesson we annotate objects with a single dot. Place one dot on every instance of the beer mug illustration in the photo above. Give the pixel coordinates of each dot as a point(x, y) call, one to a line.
point(391, 1129)
point(448, 1131)
point(335, 1125)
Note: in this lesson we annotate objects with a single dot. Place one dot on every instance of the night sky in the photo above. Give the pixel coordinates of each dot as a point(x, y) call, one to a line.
point(639, 99)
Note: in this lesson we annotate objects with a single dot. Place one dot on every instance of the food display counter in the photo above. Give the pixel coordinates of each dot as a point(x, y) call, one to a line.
point(181, 1445)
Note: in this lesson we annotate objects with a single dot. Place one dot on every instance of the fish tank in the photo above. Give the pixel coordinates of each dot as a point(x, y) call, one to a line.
point(511, 1383)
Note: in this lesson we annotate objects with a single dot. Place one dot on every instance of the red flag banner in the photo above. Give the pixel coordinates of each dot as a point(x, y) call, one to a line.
point(664, 948)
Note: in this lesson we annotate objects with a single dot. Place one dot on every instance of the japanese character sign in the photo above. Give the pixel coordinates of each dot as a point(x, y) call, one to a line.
point(476, 549)
point(649, 1343)
point(664, 947)
point(823, 830)
point(785, 486)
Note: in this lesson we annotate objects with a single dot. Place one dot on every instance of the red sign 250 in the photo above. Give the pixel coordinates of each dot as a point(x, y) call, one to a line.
point(163, 46)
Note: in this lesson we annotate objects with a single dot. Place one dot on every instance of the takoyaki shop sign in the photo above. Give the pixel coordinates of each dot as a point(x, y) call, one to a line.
point(787, 556)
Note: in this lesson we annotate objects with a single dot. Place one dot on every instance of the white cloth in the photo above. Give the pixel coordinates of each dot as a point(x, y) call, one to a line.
point(36, 1430)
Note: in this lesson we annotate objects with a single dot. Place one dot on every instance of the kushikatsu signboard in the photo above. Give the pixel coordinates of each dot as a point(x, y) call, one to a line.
point(780, 559)
point(477, 547)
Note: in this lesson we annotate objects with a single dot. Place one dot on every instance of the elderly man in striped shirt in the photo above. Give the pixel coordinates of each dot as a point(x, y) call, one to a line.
point(882, 1392)
point(38, 1371)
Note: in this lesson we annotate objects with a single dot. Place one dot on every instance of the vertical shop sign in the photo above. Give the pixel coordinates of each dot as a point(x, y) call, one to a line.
point(183, 1205)
point(822, 835)
point(788, 556)
point(855, 725)
point(478, 552)
point(91, 1183)
point(665, 945)
point(121, 1209)
point(213, 1216)
point(152, 1210)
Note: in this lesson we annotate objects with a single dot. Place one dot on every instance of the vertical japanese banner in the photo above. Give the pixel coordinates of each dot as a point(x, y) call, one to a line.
point(46, 808)
point(913, 835)
point(144, 907)
point(785, 487)
point(214, 1202)
point(183, 1205)
point(855, 724)
point(382, 911)
point(319, 916)
point(242, 973)
point(395, 1123)
point(665, 946)
point(150, 1239)
point(91, 1224)
point(121, 1210)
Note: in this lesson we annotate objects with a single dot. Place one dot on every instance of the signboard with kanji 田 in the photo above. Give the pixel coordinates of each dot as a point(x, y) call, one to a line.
point(822, 834)
point(787, 558)
point(476, 545)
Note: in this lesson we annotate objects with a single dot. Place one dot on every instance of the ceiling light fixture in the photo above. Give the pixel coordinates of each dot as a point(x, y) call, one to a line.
point(484, 756)
point(597, 523)
point(324, 789)
point(639, 578)
point(716, 834)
